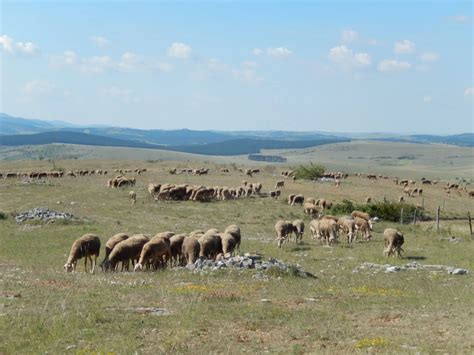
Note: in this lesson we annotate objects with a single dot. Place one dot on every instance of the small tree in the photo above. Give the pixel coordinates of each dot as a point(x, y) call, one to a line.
point(309, 172)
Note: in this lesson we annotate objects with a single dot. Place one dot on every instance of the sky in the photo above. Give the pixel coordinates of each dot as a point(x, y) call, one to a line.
point(329, 65)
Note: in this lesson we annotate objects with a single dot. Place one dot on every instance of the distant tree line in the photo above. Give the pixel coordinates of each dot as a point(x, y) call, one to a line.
point(267, 158)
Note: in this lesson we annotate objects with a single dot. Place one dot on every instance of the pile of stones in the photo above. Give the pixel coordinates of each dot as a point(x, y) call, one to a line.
point(42, 214)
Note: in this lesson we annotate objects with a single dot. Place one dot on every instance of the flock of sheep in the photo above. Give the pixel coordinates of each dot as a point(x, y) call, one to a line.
point(164, 249)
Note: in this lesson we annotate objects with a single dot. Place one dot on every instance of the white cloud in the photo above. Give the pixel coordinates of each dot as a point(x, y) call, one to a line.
point(179, 50)
point(100, 41)
point(247, 73)
point(428, 57)
point(129, 61)
point(257, 51)
point(404, 47)
point(346, 58)
point(279, 52)
point(96, 64)
point(388, 65)
point(462, 18)
point(427, 99)
point(349, 36)
point(38, 87)
point(469, 92)
point(119, 94)
point(9, 45)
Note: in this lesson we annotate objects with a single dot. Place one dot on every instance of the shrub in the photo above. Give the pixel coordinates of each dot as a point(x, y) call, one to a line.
point(3, 215)
point(309, 172)
point(388, 211)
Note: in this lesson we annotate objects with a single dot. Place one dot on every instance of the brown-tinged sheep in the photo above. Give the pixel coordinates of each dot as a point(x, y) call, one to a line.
point(234, 230)
point(314, 228)
point(311, 209)
point(190, 249)
point(196, 233)
point(176, 244)
point(228, 243)
point(328, 230)
point(330, 216)
point(126, 251)
point(298, 229)
point(111, 243)
point(311, 200)
point(86, 247)
point(362, 226)
point(211, 245)
point(347, 226)
point(283, 229)
point(156, 253)
point(279, 185)
point(393, 241)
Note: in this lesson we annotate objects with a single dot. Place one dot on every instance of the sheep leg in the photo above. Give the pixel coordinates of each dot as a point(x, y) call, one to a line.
point(85, 264)
point(93, 264)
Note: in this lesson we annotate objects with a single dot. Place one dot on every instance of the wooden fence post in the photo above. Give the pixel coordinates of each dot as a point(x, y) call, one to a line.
point(437, 219)
point(401, 215)
point(470, 221)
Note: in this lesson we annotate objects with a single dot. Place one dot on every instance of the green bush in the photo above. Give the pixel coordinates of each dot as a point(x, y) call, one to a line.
point(387, 211)
point(3, 215)
point(309, 172)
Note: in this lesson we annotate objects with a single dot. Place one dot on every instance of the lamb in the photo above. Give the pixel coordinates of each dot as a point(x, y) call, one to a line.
point(133, 197)
point(234, 231)
point(275, 193)
point(176, 244)
point(393, 241)
point(290, 198)
point(283, 229)
point(111, 243)
point(362, 226)
point(298, 229)
point(347, 225)
point(190, 250)
point(156, 252)
point(85, 247)
point(125, 251)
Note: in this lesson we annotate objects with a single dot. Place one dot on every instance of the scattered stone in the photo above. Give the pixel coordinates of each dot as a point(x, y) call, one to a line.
point(409, 266)
point(248, 261)
point(154, 311)
point(265, 300)
point(42, 214)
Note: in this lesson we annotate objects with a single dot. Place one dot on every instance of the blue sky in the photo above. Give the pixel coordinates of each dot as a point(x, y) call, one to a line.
point(345, 66)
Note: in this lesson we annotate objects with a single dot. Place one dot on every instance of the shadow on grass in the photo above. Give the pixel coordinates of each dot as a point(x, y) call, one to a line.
point(415, 257)
point(300, 248)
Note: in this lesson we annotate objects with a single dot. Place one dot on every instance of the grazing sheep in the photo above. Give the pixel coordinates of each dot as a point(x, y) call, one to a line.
point(368, 199)
point(311, 209)
point(314, 228)
point(283, 229)
point(196, 233)
point(328, 230)
point(362, 226)
point(362, 215)
point(311, 200)
point(125, 251)
point(298, 229)
point(393, 241)
point(190, 250)
point(153, 190)
point(228, 243)
point(279, 185)
point(298, 199)
point(275, 193)
point(401, 198)
point(133, 197)
point(211, 245)
point(330, 216)
point(154, 253)
point(85, 247)
point(290, 198)
point(347, 225)
point(234, 230)
point(176, 244)
point(111, 243)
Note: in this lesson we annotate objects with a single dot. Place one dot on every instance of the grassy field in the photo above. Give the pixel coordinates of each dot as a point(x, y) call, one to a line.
point(46, 310)
point(393, 158)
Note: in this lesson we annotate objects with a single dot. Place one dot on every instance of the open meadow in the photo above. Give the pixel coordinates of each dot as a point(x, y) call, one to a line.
point(344, 309)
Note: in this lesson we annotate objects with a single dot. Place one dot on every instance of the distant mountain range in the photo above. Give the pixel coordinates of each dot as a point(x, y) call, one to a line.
point(15, 131)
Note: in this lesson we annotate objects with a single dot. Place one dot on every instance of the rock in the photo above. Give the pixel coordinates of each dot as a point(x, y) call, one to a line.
point(393, 269)
point(265, 300)
point(457, 271)
point(42, 214)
